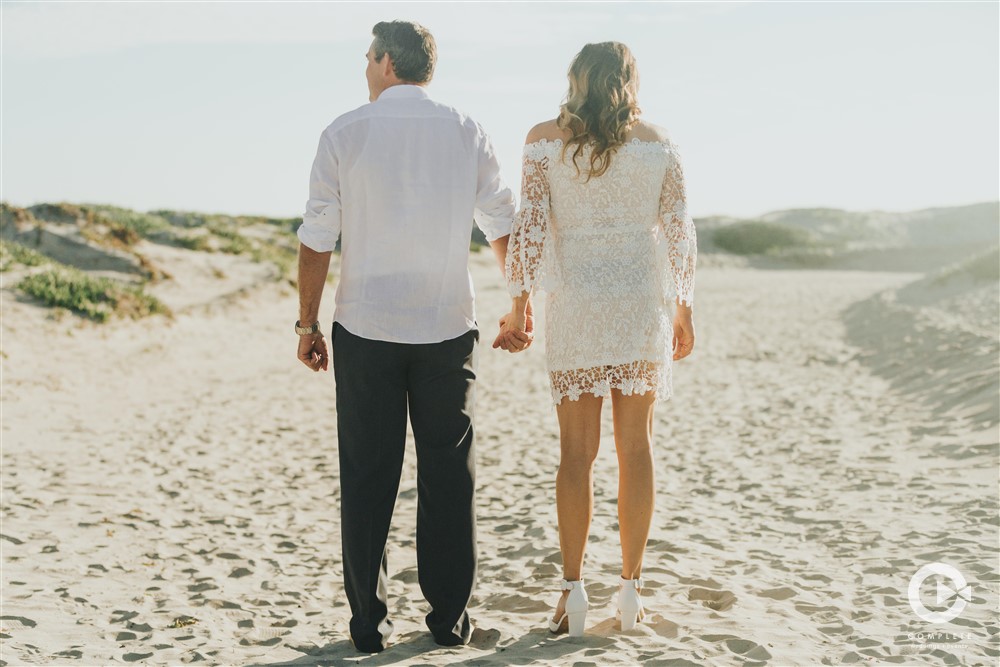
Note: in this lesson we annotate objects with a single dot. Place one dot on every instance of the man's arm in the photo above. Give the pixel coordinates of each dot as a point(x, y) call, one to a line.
point(494, 214)
point(494, 200)
point(313, 267)
point(317, 234)
point(500, 250)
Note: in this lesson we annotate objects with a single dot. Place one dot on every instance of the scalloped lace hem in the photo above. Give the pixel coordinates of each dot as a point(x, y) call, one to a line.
point(636, 377)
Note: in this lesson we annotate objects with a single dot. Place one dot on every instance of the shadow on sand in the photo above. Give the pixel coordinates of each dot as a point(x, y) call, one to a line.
point(417, 648)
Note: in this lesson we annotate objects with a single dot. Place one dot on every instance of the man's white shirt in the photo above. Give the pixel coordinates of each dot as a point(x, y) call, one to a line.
point(399, 181)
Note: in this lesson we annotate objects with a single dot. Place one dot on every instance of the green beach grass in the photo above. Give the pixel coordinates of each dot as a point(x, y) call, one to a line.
point(96, 298)
point(755, 237)
point(13, 254)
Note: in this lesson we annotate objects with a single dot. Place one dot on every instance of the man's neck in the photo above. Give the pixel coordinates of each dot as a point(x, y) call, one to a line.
point(397, 82)
point(401, 84)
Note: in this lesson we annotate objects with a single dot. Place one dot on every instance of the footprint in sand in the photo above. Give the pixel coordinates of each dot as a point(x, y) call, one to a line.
point(407, 576)
point(748, 649)
point(717, 600)
point(661, 626)
point(13, 623)
point(484, 639)
point(518, 604)
point(263, 636)
point(781, 593)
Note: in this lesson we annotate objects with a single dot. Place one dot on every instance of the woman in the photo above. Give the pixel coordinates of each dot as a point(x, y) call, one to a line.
point(604, 230)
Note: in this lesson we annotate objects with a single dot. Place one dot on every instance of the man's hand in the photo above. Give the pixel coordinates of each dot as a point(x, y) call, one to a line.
point(313, 268)
point(312, 352)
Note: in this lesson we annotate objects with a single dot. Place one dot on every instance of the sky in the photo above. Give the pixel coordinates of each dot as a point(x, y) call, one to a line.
point(218, 106)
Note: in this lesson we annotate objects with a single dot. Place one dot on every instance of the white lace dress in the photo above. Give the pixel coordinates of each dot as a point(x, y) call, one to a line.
point(611, 254)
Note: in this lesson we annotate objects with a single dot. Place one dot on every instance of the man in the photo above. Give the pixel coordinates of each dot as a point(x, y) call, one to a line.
point(399, 181)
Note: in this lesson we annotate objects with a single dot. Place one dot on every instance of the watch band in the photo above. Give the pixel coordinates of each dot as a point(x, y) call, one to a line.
point(305, 331)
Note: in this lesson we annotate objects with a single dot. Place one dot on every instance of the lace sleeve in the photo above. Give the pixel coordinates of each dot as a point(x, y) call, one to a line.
point(523, 265)
point(678, 229)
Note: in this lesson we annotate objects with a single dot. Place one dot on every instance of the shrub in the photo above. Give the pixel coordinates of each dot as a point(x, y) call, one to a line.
point(96, 298)
point(286, 224)
point(124, 221)
point(13, 253)
point(281, 256)
point(61, 212)
point(757, 237)
point(200, 243)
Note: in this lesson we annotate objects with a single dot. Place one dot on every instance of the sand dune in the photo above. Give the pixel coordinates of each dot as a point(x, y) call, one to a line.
point(170, 496)
point(936, 341)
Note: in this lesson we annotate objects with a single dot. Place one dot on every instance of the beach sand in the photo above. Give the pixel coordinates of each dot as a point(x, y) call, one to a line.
point(170, 489)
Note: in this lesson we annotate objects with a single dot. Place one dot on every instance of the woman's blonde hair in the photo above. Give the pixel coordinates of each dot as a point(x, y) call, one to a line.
point(601, 105)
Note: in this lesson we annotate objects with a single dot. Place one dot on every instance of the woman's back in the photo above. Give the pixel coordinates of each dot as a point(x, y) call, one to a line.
point(628, 193)
point(610, 250)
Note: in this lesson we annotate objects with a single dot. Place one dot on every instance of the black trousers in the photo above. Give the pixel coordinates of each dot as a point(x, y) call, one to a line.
point(378, 383)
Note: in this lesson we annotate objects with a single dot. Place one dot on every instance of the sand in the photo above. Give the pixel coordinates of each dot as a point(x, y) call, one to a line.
point(170, 492)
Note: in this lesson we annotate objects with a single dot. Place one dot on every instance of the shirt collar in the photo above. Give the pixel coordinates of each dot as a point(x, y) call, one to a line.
point(404, 91)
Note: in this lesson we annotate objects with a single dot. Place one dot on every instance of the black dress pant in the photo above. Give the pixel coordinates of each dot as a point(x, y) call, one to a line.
point(378, 383)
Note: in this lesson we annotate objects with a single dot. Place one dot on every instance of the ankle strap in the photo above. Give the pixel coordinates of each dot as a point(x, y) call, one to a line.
point(570, 585)
point(637, 583)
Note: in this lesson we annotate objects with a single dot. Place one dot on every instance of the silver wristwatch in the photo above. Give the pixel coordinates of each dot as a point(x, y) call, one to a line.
point(305, 331)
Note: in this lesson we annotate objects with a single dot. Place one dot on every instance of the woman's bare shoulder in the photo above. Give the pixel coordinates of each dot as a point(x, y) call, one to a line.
point(548, 130)
point(646, 131)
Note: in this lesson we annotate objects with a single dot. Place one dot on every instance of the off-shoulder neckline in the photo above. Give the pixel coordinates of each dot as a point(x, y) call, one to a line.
point(635, 141)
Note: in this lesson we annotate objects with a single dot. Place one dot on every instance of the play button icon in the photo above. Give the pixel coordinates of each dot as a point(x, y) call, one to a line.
point(945, 593)
point(959, 592)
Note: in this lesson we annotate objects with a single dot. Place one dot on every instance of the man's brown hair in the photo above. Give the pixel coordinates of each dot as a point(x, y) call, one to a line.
point(411, 47)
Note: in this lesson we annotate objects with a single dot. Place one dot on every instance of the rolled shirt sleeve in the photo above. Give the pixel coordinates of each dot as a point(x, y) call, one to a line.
point(321, 222)
point(494, 200)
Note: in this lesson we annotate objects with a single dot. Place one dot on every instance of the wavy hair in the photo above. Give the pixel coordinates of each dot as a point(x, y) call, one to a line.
point(601, 105)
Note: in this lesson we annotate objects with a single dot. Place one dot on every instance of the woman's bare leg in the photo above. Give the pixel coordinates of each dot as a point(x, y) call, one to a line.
point(633, 417)
point(579, 438)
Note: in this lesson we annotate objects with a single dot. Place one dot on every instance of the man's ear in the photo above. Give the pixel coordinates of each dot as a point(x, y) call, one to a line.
point(387, 67)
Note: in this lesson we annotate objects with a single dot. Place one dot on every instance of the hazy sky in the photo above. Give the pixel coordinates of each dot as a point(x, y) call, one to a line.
point(218, 106)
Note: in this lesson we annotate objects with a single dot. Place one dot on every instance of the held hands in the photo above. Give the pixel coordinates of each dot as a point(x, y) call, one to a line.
point(517, 328)
point(312, 352)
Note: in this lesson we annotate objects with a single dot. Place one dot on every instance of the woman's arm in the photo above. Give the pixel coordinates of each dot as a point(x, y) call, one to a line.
point(523, 265)
point(682, 251)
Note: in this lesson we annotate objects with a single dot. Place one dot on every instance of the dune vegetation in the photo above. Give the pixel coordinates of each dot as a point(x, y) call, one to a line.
point(13, 254)
point(87, 257)
point(981, 268)
point(757, 237)
point(94, 297)
point(63, 286)
point(119, 244)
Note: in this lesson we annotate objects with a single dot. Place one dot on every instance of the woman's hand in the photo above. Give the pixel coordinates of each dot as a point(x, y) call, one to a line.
point(516, 328)
point(683, 332)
